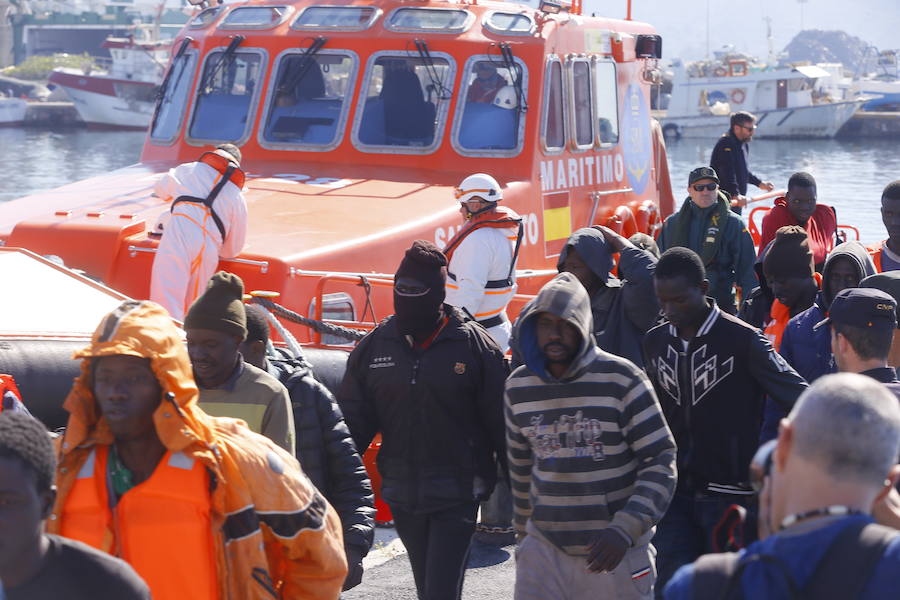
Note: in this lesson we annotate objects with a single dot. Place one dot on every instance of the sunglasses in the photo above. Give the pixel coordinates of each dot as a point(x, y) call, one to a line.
point(761, 465)
point(705, 186)
point(749, 127)
point(413, 290)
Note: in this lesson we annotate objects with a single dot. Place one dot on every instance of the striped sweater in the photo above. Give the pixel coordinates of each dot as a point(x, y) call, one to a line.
point(590, 450)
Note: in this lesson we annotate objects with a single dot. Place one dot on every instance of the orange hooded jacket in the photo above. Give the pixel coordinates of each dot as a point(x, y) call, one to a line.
point(298, 555)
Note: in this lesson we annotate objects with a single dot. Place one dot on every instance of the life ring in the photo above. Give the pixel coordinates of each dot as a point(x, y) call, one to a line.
point(720, 72)
point(738, 96)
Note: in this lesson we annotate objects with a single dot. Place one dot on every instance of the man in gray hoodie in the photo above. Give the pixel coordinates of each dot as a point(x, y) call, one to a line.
point(591, 459)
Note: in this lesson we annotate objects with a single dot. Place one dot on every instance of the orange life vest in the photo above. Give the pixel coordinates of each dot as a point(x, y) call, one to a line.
point(499, 217)
point(875, 255)
point(780, 314)
point(8, 385)
point(161, 527)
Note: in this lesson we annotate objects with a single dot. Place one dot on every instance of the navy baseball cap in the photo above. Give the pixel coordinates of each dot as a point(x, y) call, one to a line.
point(863, 308)
point(703, 173)
point(889, 283)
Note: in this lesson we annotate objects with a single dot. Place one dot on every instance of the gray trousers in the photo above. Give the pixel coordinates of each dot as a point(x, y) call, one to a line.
point(544, 572)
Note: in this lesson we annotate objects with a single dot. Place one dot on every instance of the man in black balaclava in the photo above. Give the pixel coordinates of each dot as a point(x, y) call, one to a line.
point(419, 291)
point(430, 380)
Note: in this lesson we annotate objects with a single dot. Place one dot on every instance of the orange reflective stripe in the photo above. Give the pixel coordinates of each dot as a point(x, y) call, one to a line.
point(162, 526)
point(488, 314)
point(497, 293)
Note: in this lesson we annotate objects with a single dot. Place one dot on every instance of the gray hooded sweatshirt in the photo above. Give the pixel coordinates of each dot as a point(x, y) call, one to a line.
point(595, 437)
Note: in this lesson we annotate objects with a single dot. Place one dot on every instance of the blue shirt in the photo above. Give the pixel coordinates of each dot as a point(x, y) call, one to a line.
point(800, 549)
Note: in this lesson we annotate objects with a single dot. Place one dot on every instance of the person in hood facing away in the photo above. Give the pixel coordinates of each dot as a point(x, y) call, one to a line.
point(324, 446)
point(584, 425)
point(712, 373)
point(623, 309)
point(430, 380)
point(798, 207)
point(200, 506)
point(790, 275)
point(208, 222)
point(706, 225)
point(886, 254)
point(34, 565)
point(215, 327)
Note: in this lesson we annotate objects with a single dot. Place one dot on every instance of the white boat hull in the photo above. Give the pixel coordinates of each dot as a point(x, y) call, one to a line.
point(816, 121)
point(107, 102)
point(12, 111)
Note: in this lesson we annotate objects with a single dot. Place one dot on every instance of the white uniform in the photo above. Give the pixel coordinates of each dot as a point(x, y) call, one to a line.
point(191, 244)
point(485, 255)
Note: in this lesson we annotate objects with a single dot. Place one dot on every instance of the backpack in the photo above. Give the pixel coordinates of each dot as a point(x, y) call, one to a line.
point(843, 572)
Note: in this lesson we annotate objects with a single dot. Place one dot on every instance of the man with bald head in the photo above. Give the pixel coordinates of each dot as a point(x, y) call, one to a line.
point(835, 458)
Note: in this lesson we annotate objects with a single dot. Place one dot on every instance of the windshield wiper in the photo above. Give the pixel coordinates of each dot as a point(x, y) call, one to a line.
point(436, 83)
point(515, 70)
point(161, 94)
point(227, 56)
point(291, 80)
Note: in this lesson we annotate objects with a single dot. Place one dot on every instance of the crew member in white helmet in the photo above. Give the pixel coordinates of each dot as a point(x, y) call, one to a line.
point(208, 221)
point(481, 275)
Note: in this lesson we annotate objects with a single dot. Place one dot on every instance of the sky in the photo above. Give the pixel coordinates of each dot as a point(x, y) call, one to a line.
point(682, 23)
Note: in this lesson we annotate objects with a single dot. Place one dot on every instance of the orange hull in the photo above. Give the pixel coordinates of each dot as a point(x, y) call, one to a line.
point(352, 208)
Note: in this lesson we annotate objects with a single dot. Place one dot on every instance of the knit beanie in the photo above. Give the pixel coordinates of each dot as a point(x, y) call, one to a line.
point(424, 262)
point(789, 254)
point(221, 307)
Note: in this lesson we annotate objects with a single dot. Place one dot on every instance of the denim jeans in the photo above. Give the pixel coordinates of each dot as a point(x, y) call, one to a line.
point(685, 532)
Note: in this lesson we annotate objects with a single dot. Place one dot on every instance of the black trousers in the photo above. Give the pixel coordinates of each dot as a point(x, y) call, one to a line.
point(438, 546)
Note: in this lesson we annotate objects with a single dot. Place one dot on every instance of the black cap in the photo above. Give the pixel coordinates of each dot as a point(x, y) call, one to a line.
point(863, 308)
point(888, 282)
point(702, 173)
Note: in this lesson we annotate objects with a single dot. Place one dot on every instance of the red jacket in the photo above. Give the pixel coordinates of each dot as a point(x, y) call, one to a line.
point(821, 227)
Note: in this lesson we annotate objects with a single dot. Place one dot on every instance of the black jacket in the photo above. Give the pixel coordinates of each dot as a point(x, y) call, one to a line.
point(327, 452)
point(712, 395)
point(729, 159)
point(439, 411)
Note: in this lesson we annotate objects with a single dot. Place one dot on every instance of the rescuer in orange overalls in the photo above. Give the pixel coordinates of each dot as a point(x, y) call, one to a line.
point(208, 222)
point(200, 506)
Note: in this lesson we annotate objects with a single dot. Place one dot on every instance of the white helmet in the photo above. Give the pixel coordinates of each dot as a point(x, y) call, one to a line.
point(479, 185)
point(506, 98)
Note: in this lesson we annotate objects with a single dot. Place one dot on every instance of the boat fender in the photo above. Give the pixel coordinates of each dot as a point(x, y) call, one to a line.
point(738, 95)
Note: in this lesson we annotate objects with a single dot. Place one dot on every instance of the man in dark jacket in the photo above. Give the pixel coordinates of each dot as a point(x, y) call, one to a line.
point(711, 372)
point(324, 446)
point(707, 226)
point(623, 308)
point(431, 381)
point(729, 159)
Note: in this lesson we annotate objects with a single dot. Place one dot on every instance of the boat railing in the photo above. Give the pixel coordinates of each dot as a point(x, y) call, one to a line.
point(369, 280)
point(754, 220)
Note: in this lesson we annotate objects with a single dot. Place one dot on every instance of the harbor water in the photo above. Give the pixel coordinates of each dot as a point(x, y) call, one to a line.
point(850, 173)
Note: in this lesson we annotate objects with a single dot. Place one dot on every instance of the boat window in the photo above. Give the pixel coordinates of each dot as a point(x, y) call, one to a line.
point(309, 101)
point(205, 17)
point(606, 101)
point(491, 118)
point(405, 102)
point(432, 20)
point(554, 124)
point(509, 23)
point(582, 112)
point(225, 96)
point(346, 18)
point(173, 103)
point(255, 17)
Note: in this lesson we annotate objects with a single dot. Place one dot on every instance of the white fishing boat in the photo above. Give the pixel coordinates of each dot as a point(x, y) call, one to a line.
point(784, 100)
point(123, 95)
point(12, 110)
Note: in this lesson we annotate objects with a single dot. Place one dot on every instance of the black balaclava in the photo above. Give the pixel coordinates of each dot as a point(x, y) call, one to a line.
point(420, 313)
